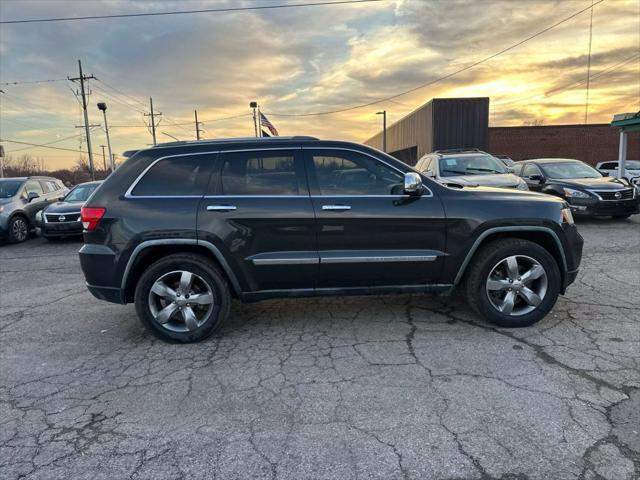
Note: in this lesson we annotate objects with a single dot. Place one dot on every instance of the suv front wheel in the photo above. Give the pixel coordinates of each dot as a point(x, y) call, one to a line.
point(513, 282)
point(182, 298)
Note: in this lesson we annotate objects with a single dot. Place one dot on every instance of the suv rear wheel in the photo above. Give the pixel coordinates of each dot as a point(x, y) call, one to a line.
point(513, 282)
point(182, 298)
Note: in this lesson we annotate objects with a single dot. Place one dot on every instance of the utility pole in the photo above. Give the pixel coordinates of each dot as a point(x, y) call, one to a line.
point(198, 129)
point(104, 159)
point(82, 78)
point(153, 119)
point(103, 106)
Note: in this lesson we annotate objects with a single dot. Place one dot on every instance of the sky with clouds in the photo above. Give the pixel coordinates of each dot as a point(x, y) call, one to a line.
point(305, 60)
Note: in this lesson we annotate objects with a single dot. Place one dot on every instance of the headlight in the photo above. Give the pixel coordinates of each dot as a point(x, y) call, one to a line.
point(571, 193)
point(39, 216)
point(566, 216)
point(522, 186)
point(1, 208)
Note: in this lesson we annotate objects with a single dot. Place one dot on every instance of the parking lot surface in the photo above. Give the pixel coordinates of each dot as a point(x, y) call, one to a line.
point(397, 387)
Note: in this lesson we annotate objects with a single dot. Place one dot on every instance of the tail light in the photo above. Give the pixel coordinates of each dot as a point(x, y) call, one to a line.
point(91, 216)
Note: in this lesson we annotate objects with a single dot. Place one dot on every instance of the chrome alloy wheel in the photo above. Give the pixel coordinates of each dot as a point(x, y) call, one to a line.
point(517, 285)
point(19, 229)
point(181, 301)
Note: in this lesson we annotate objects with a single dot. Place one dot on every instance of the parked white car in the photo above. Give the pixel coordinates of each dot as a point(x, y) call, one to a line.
point(631, 167)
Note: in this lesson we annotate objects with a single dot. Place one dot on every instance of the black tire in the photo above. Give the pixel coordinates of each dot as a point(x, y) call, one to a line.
point(18, 229)
point(482, 264)
point(208, 272)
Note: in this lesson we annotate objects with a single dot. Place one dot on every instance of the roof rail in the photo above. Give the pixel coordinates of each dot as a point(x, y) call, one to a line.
point(458, 150)
point(236, 139)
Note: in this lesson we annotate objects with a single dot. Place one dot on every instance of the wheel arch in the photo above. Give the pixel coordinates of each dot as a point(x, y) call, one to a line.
point(152, 250)
point(543, 236)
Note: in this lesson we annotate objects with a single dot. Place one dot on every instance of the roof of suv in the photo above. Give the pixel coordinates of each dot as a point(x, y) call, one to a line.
point(553, 160)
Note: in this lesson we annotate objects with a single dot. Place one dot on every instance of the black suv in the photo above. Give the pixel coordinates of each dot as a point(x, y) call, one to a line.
point(183, 228)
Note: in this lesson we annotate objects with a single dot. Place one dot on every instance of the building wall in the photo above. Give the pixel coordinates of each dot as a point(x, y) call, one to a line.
point(438, 124)
point(589, 143)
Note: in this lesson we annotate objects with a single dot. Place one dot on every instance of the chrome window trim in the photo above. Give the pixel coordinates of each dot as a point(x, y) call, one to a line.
point(430, 193)
point(255, 196)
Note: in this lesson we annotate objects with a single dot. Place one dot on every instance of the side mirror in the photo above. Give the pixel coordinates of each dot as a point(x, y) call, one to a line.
point(536, 178)
point(61, 198)
point(412, 183)
point(32, 196)
point(604, 174)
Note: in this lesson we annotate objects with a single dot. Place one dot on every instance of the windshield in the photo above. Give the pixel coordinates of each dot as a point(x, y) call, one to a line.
point(570, 170)
point(451, 166)
point(8, 188)
point(80, 193)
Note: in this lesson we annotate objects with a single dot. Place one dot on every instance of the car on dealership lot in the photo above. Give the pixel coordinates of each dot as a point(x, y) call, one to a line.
point(62, 219)
point(20, 199)
point(587, 191)
point(181, 229)
point(468, 167)
point(631, 167)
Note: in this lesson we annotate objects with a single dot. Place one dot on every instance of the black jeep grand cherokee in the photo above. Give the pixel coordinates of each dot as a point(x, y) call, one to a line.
point(182, 228)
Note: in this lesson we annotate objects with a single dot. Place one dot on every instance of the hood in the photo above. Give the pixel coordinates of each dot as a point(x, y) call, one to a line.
point(503, 180)
point(63, 207)
point(5, 201)
point(602, 183)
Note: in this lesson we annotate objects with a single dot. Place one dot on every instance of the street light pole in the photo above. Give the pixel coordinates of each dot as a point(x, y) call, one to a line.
point(384, 129)
point(104, 159)
point(103, 106)
point(254, 106)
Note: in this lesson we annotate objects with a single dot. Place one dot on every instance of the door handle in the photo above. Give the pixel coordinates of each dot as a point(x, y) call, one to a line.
point(336, 208)
point(221, 208)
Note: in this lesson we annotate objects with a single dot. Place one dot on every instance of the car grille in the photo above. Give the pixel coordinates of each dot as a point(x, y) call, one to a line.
point(626, 194)
point(62, 217)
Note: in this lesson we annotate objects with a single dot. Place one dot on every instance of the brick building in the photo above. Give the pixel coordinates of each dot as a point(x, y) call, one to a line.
point(463, 122)
point(590, 143)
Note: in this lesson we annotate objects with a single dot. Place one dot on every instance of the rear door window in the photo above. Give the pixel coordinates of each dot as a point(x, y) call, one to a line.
point(258, 173)
point(174, 177)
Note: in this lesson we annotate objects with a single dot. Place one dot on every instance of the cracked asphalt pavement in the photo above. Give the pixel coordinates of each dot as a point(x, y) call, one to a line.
point(394, 387)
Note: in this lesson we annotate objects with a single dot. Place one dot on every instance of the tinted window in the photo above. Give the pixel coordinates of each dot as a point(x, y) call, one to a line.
point(259, 173)
point(609, 166)
point(570, 170)
point(530, 169)
point(355, 174)
point(517, 168)
point(80, 193)
point(179, 176)
point(451, 166)
point(34, 186)
point(8, 188)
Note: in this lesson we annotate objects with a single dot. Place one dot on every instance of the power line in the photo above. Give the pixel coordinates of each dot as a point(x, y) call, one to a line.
point(44, 145)
point(34, 81)
point(570, 86)
point(445, 77)
point(48, 143)
point(183, 12)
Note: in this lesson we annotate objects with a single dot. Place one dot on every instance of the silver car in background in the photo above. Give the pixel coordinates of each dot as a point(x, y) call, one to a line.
point(20, 199)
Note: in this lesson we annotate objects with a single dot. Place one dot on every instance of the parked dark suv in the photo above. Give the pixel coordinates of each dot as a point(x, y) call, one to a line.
point(182, 228)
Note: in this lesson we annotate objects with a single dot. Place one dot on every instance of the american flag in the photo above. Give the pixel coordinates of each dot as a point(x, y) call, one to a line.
point(264, 121)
